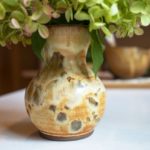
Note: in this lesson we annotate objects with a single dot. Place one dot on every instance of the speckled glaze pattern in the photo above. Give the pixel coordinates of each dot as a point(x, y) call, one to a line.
point(65, 99)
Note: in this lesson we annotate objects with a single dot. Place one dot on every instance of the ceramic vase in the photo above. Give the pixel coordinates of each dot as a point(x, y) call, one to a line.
point(65, 100)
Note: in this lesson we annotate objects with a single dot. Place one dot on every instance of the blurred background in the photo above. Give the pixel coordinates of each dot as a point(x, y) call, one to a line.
point(127, 64)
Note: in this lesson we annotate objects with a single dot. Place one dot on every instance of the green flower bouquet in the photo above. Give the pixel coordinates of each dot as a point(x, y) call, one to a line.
point(27, 21)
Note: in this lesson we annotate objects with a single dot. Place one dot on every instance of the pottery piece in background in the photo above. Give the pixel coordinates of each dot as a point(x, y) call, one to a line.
point(127, 62)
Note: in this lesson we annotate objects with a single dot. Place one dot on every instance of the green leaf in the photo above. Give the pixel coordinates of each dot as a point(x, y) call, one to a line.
point(61, 5)
point(14, 24)
point(139, 31)
point(37, 44)
point(11, 2)
point(30, 27)
point(96, 12)
point(69, 14)
point(2, 43)
point(82, 16)
point(96, 51)
point(95, 25)
point(43, 31)
point(114, 9)
point(106, 30)
point(36, 15)
point(145, 20)
point(137, 6)
point(2, 12)
point(82, 1)
point(44, 19)
point(18, 15)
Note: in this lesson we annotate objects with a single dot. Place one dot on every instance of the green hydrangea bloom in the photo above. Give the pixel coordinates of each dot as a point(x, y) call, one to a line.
point(21, 19)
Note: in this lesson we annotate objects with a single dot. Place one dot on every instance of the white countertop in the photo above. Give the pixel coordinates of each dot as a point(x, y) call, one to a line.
point(125, 125)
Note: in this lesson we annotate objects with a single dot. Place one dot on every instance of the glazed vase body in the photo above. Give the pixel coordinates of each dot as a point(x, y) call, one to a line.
point(65, 100)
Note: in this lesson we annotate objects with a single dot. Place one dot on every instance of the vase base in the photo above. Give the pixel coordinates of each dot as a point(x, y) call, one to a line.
point(67, 138)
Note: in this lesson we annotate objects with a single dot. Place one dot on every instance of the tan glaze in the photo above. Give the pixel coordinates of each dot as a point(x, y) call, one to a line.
point(128, 62)
point(65, 100)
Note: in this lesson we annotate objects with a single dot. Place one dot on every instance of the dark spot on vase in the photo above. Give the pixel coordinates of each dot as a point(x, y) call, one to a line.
point(92, 101)
point(29, 109)
point(69, 79)
point(30, 91)
point(88, 119)
point(63, 73)
point(93, 113)
point(54, 81)
point(61, 117)
point(28, 112)
point(57, 59)
point(52, 108)
point(84, 70)
point(37, 95)
point(96, 118)
point(66, 107)
point(76, 125)
point(29, 106)
point(97, 91)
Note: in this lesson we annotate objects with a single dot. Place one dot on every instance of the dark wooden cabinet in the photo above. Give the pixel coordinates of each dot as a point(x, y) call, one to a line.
point(17, 66)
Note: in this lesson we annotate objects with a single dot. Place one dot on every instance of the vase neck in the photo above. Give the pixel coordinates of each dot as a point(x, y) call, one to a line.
point(67, 45)
point(69, 41)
